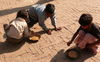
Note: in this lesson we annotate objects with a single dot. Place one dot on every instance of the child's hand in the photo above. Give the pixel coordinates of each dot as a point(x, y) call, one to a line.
point(48, 32)
point(57, 29)
point(32, 32)
point(68, 43)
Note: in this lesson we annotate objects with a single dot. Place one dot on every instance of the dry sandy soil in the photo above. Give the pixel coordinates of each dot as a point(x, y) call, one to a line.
point(49, 48)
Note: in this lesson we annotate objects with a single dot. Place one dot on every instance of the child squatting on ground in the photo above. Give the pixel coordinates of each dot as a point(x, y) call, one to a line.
point(87, 35)
point(17, 30)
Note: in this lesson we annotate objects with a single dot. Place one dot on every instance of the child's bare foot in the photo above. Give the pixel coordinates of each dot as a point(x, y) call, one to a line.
point(94, 53)
point(5, 26)
point(57, 29)
point(94, 50)
point(48, 32)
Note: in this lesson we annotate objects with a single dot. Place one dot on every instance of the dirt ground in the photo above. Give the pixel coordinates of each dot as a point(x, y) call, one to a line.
point(50, 48)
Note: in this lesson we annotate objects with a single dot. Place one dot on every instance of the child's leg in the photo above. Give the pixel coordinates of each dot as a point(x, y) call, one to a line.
point(5, 26)
point(88, 39)
point(80, 37)
point(95, 49)
point(91, 38)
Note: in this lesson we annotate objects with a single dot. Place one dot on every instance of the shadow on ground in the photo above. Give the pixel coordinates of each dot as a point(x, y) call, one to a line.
point(9, 11)
point(43, 1)
point(7, 47)
point(43, 32)
point(60, 57)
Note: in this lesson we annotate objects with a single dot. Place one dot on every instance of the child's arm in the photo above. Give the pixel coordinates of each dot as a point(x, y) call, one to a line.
point(27, 32)
point(53, 20)
point(74, 36)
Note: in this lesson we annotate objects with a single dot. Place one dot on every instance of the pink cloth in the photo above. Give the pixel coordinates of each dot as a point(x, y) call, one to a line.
point(85, 38)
